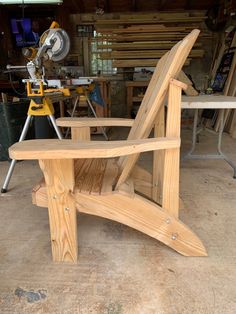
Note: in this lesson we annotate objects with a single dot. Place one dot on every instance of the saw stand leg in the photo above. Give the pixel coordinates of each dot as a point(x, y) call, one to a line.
point(93, 111)
point(22, 137)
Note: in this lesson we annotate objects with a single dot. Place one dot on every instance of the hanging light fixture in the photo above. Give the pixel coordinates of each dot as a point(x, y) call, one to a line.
point(31, 1)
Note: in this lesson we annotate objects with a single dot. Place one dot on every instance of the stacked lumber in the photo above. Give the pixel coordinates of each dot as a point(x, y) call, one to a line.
point(229, 89)
point(140, 39)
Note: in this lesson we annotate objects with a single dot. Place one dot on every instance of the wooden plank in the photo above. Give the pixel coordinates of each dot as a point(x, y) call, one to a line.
point(168, 67)
point(88, 17)
point(110, 176)
point(143, 54)
point(81, 173)
point(127, 188)
point(139, 63)
point(92, 180)
point(226, 90)
point(169, 19)
point(129, 100)
point(230, 75)
point(222, 47)
point(142, 181)
point(145, 216)
point(92, 122)
point(59, 178)
point(190, 91)
point(70, 149)
point(86, 56)
point(154, 45)
point(158, 158)
point(231, 92)
point(170, 201)
point(149, 28)
point(39, 194)
point(82, 133)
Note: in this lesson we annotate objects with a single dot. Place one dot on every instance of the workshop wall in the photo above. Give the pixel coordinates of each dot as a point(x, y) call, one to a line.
point(154, 42)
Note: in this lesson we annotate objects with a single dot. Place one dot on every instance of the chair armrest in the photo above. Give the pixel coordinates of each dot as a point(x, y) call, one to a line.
point(69, 149)
point(93, 122)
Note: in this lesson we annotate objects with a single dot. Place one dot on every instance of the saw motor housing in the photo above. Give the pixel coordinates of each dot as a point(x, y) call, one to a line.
point(54, 45)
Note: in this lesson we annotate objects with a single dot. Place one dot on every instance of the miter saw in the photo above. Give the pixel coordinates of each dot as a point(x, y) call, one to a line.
point(54, 45)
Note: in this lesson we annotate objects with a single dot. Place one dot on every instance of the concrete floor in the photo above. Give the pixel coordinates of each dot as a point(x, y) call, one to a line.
point(120, 270)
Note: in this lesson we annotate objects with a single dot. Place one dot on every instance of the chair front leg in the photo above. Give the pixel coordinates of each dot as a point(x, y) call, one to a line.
point(59, 178)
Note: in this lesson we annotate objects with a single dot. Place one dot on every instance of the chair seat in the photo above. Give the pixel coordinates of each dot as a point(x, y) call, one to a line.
point(95, 176)
point(92, 176)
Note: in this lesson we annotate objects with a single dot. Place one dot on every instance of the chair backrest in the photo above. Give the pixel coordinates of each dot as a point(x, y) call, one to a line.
point(167, 68)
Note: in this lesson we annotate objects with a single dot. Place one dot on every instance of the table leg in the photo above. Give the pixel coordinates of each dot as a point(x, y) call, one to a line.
point(221, 130)
point(220, 154)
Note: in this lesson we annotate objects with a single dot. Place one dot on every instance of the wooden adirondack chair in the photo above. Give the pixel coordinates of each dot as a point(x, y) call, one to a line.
point(102, 178)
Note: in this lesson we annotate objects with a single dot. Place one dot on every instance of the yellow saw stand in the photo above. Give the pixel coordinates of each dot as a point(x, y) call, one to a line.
point(40, 105)
point(54, 45)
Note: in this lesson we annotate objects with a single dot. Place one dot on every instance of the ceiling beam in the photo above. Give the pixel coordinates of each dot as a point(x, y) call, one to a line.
point(107, 6)
point(188, 5)
point(162, 4)
point(134, 5)
point(78, 5)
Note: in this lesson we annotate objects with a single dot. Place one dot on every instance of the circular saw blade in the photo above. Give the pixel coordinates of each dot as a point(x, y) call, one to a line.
point(60, 47)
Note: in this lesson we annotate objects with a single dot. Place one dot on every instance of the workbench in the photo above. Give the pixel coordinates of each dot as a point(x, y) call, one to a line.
point(208, 102)
point(130, 85)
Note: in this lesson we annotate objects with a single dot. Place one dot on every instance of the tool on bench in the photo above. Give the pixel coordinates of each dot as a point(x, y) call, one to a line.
point(54, 45)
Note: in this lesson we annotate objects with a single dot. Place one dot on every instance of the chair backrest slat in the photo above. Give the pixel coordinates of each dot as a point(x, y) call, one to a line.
point(167, 68)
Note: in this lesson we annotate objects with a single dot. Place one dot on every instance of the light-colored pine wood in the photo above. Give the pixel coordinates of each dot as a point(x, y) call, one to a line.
point(170, 66)
point(110, 175)
point(148, 28)
point(127, 164)
point(90, 177)
point(142, 180)
point(190, 91)
point(127, 188)
point(39, 194)
point(170, 19)
point(143, 45)
point(82, 133)
point(129, 33)
point(97, 184)
point(145, 216)
point(170, 201)
point(69, 149)
point(93, 122)
point(158, 158)
point(144, 54)
point(139, 63)
point(59, 177)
